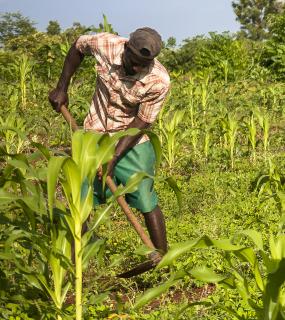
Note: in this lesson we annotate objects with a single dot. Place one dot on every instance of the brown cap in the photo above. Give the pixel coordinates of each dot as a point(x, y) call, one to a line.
point(145, 43)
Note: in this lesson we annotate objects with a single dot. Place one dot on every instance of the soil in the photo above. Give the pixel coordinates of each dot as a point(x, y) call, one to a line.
point(175, 296)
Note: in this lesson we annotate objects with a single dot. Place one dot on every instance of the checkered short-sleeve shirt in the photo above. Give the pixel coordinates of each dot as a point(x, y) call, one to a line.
point(119, 98)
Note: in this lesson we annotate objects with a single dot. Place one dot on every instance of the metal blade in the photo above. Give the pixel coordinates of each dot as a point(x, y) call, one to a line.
point(139, 269)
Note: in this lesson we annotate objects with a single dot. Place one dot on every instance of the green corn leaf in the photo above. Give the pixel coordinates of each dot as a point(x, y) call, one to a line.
point(131, 186)
point(90, 251)
point(73, 179)
point(86, 205)
point(173, 185)
point(151, 294)
point(33, 280)
point(181, 248)
point(99, 217)
point(205, 274)
point(277, 247)
point(154, 139)
point(77, 139)
point(7, 197)
point(15, 235)
point(42, 280)
point(6, 256)
point(248, 255)
point(54, 166)
point(255, 236)
point(64, 292)
point(44, 151)
point(19, 164)
point(17, 131)
point(89, 155)
point(203, 242)
point(226, 244)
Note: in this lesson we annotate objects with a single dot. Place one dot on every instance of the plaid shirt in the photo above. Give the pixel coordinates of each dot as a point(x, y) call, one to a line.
point(119, 98)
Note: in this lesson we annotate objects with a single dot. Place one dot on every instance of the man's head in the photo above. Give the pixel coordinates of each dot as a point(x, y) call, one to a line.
point(143, 46)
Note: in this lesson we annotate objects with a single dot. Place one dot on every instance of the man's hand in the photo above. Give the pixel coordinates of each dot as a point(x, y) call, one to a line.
point(110, 168)
point(57, 98)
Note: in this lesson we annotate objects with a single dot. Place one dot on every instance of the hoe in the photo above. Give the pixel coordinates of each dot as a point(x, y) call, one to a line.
point(154, 256)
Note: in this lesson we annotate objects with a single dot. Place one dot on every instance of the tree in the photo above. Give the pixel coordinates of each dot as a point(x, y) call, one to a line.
point(53, 28)
point(170, 43)
point(75, 31)
point(253, 16)
point(13, 24)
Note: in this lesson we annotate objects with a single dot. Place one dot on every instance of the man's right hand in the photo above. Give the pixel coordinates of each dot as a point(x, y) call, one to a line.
point(57, 98)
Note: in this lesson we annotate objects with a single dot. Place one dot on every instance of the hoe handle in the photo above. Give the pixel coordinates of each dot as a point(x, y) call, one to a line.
point(112, 186)
point(130, 215)
point(68, 117)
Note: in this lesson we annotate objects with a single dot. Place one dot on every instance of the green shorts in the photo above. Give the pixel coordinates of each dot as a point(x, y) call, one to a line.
point(139, 158)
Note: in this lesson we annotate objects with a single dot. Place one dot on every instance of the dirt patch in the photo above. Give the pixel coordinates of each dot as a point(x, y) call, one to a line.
point(175, 296)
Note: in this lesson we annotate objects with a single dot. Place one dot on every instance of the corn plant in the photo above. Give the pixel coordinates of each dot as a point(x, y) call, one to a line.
point(194, 134)
point(230, 129)
point(90, 151)
point(264, 122)
point(24, 186)
point(52, 270)
point(13, 129)
point(272, 185)
point(23, 68)
point(204, 93)
point(252, 134)
point(267, 284)
point(225, 67)
point(173, 137)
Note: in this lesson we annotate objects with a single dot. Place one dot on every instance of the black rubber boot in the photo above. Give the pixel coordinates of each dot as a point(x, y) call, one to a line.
point(155, 224)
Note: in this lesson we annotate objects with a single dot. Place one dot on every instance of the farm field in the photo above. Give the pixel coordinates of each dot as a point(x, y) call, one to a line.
point(222, 140)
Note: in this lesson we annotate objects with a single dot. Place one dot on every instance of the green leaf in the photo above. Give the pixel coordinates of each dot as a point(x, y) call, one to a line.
point(131, 186)
point(90, 251)
point(154, 139)
point(205, 274)
point(173, 185)
point(6, 256)
point(54, 166)
point(45, 152)
point(100, 215)
point(255, 236)
point(203, 242)
point(152, 293)
point(181, 248)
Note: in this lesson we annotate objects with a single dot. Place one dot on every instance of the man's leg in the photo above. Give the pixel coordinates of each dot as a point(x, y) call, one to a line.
point(138, 159)
point(155, 224)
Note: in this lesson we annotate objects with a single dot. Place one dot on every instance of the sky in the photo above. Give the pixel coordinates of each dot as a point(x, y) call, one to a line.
point(181, 19)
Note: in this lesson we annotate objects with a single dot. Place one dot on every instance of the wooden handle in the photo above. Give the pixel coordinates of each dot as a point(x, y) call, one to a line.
point(68, 117)
point(112, 186)
point(130, 215)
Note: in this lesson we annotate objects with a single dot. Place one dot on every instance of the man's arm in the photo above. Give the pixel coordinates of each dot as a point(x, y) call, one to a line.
point(148, 111)
point(59, 96)
point(127, 142)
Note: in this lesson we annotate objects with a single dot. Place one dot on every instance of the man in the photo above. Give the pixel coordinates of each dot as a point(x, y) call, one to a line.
point(131, 87)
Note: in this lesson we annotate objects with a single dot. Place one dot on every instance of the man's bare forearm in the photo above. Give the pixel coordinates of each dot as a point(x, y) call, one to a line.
point(128, 142)
point(72, 61)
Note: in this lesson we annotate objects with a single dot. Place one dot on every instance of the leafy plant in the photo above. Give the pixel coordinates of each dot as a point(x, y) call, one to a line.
point(171, 132)
point(262, 293)
point(230, 129)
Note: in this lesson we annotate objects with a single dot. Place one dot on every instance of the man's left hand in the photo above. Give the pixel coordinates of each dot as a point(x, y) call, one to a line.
point(111, 167)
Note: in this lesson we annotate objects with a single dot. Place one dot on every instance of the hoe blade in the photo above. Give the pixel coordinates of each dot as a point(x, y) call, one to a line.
point(139, 269)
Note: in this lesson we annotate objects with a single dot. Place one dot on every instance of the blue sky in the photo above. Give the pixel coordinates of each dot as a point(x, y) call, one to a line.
point(178, 18)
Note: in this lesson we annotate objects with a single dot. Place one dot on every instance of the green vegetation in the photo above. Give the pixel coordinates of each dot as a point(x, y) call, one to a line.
point(222, 138)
